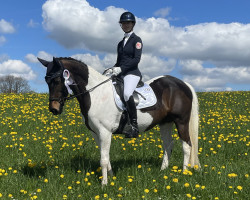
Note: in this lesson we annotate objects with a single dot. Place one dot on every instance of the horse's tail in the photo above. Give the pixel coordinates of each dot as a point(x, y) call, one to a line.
point(194, 129)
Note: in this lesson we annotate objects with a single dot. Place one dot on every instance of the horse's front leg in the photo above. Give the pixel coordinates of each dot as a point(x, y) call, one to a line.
point(97, 140)
point(104, 140)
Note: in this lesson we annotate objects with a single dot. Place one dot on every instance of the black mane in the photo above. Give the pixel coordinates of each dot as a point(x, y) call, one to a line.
point(72, 59)
point(75, 66)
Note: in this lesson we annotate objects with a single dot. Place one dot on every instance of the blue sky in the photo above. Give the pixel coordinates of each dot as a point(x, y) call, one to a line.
point(205, 43)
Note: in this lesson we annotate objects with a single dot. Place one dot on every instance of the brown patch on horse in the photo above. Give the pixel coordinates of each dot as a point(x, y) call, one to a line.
point(80, 74)
point(174, 104)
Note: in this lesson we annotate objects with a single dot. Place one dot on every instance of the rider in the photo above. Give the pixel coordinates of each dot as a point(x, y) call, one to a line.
point(129, 52)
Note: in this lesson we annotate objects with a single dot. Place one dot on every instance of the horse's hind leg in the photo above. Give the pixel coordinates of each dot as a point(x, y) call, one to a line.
point(166, 136)
point(183, 130)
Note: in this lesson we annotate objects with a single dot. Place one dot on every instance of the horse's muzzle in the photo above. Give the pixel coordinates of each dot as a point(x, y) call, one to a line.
point(55, 107)
point(54, 111)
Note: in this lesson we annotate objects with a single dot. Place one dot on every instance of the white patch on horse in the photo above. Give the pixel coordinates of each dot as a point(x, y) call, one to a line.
point(103, 111)
point(143, 120)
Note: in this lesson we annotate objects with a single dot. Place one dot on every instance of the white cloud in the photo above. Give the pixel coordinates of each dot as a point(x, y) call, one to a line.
point(163, 12)
point(150, 65)
point(17, 68)
point(213, 78)
point(83, 26)
point(93, 61)
point(41, 54)
point(98, 30)
point(32, 23)
point(6, 27)
point(224, 46)
point(153, 66)
point(2, 40)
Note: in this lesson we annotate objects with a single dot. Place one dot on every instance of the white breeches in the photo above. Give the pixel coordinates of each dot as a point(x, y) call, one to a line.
point(130, 83)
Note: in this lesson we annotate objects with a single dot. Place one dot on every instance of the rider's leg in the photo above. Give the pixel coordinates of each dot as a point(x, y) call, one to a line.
point(130, 83)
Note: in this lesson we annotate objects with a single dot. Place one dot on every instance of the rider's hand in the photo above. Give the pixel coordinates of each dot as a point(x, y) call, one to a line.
point(117, 70)
point(108, 71)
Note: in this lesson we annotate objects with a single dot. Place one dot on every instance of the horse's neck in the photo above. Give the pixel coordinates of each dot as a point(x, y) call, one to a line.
point(94, 78)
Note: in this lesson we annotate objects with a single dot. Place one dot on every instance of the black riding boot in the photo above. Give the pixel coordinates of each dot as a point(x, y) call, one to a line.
point(132, 113)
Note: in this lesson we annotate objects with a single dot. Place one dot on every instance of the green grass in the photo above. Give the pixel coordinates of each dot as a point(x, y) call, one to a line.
point(54, 157)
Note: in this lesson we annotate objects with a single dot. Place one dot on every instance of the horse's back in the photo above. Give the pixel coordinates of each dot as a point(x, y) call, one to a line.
point(174, 99)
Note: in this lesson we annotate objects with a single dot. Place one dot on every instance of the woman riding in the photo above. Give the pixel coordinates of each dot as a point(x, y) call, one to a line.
point(129, 52)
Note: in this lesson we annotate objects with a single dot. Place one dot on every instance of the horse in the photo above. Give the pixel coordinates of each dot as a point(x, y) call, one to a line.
point(177, 103)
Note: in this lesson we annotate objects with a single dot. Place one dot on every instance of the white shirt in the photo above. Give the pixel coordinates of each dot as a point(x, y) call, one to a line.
point(127, 35)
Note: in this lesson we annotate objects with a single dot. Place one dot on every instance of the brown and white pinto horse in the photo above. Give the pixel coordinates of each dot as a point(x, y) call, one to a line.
point(176, 104)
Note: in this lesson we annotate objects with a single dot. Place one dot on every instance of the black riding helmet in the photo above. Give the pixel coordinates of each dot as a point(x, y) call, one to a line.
point(127, 17)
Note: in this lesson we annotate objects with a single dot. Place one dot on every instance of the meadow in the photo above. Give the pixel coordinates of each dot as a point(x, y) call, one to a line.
point(54, 157)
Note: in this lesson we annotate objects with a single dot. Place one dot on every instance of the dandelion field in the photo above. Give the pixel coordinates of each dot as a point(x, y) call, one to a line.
point(54, 157)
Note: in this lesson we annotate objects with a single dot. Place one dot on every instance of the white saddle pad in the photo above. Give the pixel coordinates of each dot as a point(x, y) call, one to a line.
point(146, 91)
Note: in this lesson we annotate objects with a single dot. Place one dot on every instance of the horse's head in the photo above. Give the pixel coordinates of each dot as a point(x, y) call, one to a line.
point(55, 80)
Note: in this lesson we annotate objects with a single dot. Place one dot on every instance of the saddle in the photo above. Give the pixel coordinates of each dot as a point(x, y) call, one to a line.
point(143, 96)
point(119, 88)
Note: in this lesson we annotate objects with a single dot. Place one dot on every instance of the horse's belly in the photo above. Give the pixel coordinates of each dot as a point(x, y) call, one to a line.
point(144, 120)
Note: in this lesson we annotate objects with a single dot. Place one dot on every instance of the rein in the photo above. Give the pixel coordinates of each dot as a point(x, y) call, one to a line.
point(87, 91)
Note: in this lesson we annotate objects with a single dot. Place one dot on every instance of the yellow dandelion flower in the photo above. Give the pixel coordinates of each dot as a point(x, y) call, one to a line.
point(146, 190)
point(196, 167)
point(39, 190)
point(189, 195)
point(168, 187)
point(186, 185)
point(175, 180)
point(165, 177)
point(175, 167)
point(239, 187)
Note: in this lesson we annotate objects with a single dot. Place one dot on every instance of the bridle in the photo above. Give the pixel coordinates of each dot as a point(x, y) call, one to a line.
point(87, 91)
point(49, 78)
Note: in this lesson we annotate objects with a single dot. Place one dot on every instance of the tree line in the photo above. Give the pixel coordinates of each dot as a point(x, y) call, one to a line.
point(12, 84)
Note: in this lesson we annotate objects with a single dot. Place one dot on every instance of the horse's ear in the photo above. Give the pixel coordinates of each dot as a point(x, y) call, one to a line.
point(44, 62)
point(56, 61)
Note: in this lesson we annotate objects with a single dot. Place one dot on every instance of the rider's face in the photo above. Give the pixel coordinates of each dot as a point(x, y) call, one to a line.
point(127, 26)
